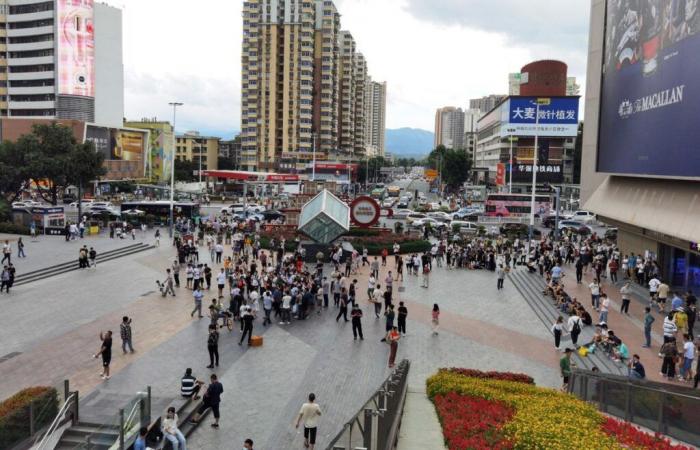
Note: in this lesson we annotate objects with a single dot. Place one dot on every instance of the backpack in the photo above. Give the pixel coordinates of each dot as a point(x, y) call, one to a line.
point(577, 327)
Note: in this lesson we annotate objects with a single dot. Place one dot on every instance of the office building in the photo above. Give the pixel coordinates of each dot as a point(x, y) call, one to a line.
point(375, 117)
point(449, 127)
point(303, 86)
point(63, 61)
point(486, 103)
point(230, 151)
point(201, 150)
point(639, 170)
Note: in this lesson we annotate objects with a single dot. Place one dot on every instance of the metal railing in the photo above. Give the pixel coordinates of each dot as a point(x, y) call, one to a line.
point(68, 412)
point(376, 425)
point(664, 408)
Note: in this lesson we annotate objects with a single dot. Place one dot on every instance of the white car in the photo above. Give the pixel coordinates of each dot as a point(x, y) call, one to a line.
point(440, 215)
point(233, 209)
point(413, 216)
point(401, 213)
point(25, 204)
point(84, 204)
point(434, 223)
point(253, 208)
point(464, 226)
point(99, 205)
point(583, 216)
point(388, 203)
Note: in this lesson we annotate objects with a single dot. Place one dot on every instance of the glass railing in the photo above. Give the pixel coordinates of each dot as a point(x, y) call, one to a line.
point(664, 408)
point(376, 425)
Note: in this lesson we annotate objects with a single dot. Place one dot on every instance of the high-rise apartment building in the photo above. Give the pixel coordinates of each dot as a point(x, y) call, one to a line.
point(449, 127)
point(303, 86)
point(61, 59)
point(486, 103)
point(375, 117)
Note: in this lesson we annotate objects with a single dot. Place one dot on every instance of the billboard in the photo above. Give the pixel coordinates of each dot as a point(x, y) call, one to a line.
point(124, 150)
point(559, 118)
point(546, 173)
point(650, 94)
point(76, 48)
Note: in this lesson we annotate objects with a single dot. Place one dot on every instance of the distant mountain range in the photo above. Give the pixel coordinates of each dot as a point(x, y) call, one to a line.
point(409, 142)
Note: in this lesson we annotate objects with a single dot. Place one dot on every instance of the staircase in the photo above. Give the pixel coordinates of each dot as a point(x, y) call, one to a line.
point(101, 437)
point(59, 269)
point(530, 286)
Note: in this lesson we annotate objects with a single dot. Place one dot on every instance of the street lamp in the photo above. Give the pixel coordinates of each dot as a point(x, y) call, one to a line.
point(510, 162)
point(538, 102)
point(172, 169)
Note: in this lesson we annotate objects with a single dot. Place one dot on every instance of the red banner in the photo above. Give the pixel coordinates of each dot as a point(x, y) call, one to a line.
point(500, 174)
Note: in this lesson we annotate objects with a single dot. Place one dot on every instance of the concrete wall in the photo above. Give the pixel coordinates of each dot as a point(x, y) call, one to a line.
point(109, 66)
point(590, 179)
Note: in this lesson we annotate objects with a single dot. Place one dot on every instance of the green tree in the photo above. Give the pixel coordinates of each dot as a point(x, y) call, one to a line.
point(13, 171)
point(84, 164)
point(374, 164)
point(184, 170)
point(452, 164)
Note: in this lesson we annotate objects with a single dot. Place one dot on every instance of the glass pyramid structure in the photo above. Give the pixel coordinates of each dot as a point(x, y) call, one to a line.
point(324, 218)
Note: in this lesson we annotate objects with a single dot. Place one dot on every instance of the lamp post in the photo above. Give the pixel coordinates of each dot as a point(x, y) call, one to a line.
point(538, 102)
point(510, 162)
point(172, 169)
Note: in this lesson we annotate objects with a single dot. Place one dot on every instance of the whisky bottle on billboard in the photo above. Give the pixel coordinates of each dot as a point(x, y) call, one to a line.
point(651, 35)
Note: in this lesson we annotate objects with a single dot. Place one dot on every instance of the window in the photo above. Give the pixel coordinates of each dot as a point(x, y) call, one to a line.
point(31, 24)
point(32, 53)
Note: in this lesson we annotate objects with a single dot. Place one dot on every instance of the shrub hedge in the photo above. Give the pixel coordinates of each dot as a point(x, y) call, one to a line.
point(12, 228)
point(14, 413)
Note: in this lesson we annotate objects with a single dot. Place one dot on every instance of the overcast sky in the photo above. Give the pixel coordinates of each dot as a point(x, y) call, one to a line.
point(431, 53)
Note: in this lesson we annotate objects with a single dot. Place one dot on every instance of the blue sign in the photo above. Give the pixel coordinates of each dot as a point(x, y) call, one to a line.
point(558, 118)
point(650, 94)
point(561, 110)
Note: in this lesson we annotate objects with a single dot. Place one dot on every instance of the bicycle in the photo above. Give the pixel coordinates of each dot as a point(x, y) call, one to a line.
point(227, 316)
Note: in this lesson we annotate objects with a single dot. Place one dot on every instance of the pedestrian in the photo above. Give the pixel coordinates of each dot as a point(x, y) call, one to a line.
point(20, 248)
point(157, 236)
point(376, 299)
point(579, 270)
point(189, 385)
point(247, 320)
point(356, 315)
point(435, 318)
point(197, 295)
point(604, 307)
point(669, 353)
point(213, 347)
point(212, 399)
point(309, 415)
point(426, 275)
point(248, 444)
point(133, 235)
point(105, 352)
point(574, 326)
point(221, 282)
point(140, 443)
point(688, 357)
point(176, 272)
point(5, 283)
point(343, 310)
point(403, 314)
point(6, 252)
point(125, 333)
point(636, 369)
point(595, 294)
point(557, 330)
point(168, 284)
point(389, 319)
point(625, 292)
point(171, 431)
point(374, 267)
point(565, 368)
point(385, 253)
point(501, 274)
point(648, 320)
point(392, 338)
point(92, 255)
point(267, 307)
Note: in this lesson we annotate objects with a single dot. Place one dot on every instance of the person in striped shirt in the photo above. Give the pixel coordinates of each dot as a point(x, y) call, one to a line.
point(189, 385)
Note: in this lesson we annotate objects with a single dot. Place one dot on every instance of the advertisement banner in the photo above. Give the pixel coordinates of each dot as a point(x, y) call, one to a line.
point(650, 95)
point(100, 137)
point(130, 146)
point(559, 118)
point(546, 173)
point(76, 48)
point(500, 174)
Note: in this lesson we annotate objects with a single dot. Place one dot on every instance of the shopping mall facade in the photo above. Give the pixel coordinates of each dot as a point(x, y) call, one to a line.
point(641, 155)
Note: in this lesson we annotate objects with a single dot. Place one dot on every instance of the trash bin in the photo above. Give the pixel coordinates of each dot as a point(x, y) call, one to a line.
point(94, 229)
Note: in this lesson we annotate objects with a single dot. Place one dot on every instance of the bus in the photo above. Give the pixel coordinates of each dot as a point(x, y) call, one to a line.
point(161, 209)
point(393, 191)
point(378, 193)
point(516, 205)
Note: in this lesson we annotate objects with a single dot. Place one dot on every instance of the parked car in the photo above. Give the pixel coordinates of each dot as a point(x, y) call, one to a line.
point(402, 213)
point(25, 204)
point(549, 221)
point(440, 215)
point(271, 214)
point(519, 229)
point(233, 209)
point(415, 216)
point(611, 234)
point(435, 206)
point(84, 204)
point(100, 205)
point(436, 224)
point(464, 227)
point(252, 207)
point(575, 226)
point(583, 216)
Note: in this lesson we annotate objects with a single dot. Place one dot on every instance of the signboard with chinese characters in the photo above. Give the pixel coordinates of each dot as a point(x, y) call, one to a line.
point(500, 174)
point(650, 92)
point(559, 118)
point(546, 173)
point(364, 212)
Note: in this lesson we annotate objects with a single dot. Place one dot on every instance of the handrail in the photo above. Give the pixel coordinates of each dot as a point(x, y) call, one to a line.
point(378, 421)
point(132, 414)
point(67, 405)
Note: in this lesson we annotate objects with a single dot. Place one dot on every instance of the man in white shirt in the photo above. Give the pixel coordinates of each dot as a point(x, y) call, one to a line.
point(370, 286)
point(688, 357)
point(604, 307)
point(309, 414)
point(376, 297)
point(654, 284)
point(221, 282)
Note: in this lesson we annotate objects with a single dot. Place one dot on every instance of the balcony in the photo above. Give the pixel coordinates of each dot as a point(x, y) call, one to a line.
point(30, 31)
point(42, 45)
point(40, 15)
point(47, 75)
point(33, 105)
point(37, 60)
point(32, 90)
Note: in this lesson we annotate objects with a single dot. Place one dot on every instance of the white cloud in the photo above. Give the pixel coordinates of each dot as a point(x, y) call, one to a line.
point(431, 53)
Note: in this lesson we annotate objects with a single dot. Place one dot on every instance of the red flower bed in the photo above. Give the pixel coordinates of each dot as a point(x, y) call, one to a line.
point(504, 376)
point(473, 423)
point(629, 435)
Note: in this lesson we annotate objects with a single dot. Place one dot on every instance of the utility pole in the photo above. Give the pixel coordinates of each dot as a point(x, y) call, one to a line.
point(172, 169)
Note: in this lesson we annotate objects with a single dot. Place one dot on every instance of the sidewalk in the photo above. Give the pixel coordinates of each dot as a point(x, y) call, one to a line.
point(420, 428)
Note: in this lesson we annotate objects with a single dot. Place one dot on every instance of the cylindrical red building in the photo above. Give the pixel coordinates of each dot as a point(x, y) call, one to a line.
point(545, 78)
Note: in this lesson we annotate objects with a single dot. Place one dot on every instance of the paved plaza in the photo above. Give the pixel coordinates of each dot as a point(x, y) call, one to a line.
point(54, 324)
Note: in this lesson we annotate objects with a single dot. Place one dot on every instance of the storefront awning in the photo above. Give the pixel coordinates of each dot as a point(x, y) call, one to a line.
point(241, 175)
point(669, 207)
